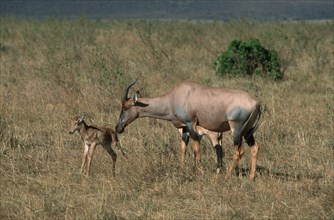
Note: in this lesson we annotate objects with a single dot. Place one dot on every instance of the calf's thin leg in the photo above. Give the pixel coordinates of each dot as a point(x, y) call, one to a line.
point(90, 156)
point(84, 157)
point(113, 155)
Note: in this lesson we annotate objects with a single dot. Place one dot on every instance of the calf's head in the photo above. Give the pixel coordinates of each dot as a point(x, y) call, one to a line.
point(76, 123)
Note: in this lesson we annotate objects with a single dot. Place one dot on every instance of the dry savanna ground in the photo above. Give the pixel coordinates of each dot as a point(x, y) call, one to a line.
point(54, 69)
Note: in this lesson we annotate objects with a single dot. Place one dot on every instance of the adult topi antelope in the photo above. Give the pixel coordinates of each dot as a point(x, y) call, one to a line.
point(190, 105)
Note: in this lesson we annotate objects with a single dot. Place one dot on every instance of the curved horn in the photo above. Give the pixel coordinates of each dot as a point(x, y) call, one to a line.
point(126, 91)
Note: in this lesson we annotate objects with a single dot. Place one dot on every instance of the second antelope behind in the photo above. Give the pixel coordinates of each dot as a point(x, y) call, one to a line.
point(92, 136)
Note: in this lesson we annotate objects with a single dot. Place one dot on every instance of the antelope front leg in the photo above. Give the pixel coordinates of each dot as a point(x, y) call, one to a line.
point(90, 156)
point(84, 157)
point(183, 145)
point(219, 153)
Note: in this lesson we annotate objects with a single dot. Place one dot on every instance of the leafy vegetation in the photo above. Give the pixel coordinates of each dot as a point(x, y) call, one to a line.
point(247, 58)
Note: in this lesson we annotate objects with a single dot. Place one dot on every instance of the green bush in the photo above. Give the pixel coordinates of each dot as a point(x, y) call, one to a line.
point(247, 58)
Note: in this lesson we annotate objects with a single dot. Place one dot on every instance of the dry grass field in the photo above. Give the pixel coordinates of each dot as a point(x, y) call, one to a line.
point(52, 70)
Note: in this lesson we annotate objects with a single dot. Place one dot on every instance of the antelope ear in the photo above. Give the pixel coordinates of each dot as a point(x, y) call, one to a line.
point(135, 97)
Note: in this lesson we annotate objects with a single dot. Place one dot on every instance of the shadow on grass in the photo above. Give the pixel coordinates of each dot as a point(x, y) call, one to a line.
point(277, 174)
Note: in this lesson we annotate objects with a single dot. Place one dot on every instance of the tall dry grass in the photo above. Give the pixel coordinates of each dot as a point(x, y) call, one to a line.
point(54, 69)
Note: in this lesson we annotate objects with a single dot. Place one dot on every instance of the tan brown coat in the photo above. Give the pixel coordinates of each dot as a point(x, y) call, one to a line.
point(93, 136)
point(190, 106)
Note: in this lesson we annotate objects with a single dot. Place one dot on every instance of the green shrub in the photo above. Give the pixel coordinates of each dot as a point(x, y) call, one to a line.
point(247, 58)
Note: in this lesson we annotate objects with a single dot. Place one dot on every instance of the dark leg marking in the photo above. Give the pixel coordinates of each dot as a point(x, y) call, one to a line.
point(192, 132)
point(220, 154)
